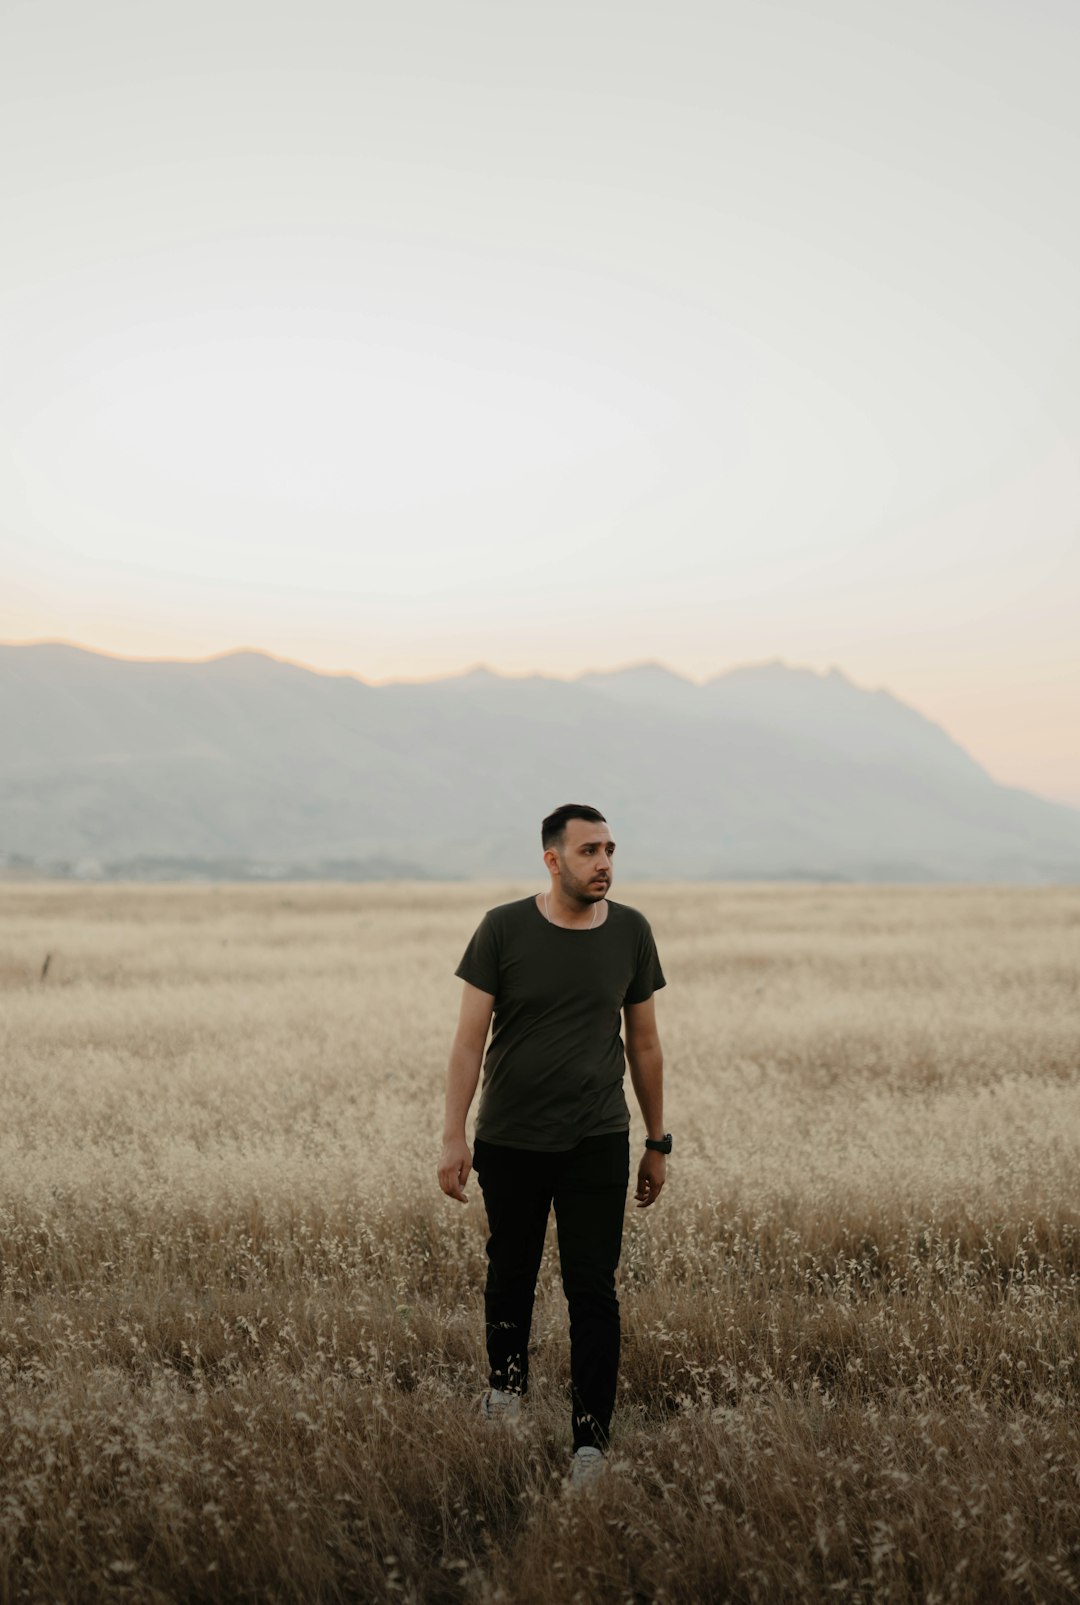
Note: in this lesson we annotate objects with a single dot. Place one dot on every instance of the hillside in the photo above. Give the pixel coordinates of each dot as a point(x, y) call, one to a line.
point(246, 764)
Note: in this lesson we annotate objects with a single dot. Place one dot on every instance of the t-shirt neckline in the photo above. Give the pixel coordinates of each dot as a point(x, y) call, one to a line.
point(585, 930)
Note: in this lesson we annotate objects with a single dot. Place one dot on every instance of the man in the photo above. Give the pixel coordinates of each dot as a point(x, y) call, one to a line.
point(553, 1126)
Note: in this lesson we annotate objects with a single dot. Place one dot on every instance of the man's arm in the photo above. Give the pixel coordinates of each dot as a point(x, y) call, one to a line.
point(646, 1059)
point(462, 1074)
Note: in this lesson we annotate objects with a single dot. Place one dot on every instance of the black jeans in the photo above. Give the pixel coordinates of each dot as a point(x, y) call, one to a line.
point(588, 1186)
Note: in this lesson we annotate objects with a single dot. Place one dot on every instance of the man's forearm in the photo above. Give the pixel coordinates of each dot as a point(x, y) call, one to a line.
point(461, 1077)
point(647, 1076)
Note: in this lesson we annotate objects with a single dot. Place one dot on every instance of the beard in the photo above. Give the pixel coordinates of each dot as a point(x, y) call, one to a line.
point(582, 891)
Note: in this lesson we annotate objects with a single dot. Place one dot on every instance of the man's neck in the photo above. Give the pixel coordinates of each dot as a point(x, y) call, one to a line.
point(570, 912)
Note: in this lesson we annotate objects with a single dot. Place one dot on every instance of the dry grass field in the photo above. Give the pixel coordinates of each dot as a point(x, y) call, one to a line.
point(240, 1327)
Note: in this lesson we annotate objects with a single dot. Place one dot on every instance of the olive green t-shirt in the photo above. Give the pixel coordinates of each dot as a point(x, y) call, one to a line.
point(553, 1073)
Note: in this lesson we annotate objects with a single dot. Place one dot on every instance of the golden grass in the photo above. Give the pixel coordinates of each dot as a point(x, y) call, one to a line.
point(240, 1328)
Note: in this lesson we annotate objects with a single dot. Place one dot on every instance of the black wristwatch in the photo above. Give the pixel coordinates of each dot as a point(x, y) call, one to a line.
point(659, 1145)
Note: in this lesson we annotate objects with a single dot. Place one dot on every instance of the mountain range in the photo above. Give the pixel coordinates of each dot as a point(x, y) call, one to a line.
point(245, 765)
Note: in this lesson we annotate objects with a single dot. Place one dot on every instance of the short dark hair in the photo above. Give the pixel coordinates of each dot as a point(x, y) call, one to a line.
point(554, 827)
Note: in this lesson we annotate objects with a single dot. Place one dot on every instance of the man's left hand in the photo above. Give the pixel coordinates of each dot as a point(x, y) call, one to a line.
point(651, 1176)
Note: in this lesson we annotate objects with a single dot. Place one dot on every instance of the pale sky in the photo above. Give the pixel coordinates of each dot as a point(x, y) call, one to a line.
point(396, 338)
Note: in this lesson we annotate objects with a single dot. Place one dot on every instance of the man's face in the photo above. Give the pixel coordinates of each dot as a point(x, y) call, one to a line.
point(585, 860)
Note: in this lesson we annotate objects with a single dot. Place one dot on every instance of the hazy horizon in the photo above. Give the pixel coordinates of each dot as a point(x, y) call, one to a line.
point(478, 665)
point(424, 679)
point(394, 341)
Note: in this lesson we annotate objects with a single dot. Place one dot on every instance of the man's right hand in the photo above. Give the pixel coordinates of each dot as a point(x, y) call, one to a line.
point(454, 1168)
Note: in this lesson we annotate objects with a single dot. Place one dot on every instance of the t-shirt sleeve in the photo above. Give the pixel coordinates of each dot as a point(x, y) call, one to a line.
point(648, 977)
point(480, 960)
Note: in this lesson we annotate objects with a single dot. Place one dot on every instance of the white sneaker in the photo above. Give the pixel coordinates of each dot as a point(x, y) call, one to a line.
point(499, 1406)
point(587, 1466)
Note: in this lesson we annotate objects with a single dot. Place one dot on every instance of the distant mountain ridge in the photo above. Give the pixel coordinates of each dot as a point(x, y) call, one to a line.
point(248, 765)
